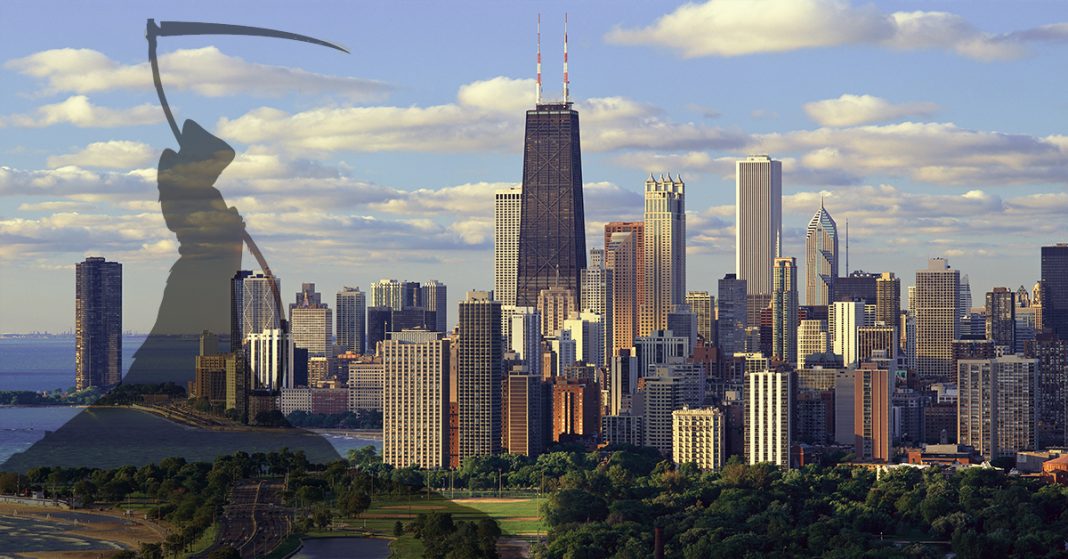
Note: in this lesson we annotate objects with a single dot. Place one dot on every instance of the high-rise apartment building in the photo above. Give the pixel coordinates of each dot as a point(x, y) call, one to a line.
point(732, 319)
point(258, 311)
point(669, 388)
point(387, 293)
point(997, 410)
point(937, 319)
point(351, 306)
point(821, 258)
point(415, 400)
point(270, 359)
point(703, 305)
point(888, 300)
point(97, 323)
point(555, 305)
point(872, 339)
point(698, 437)
point(659, 348)
point(576, 409)
point(872, 388)
point(665, 251)
point(434, 296)
point(597, 294)
point(843, 321)
point(552, 224)
point(784, 310)
point(1051, 353)
point(1001, 317)
point(524, 414)
point(758, 226)
point(311, 322)
point(768, 417)
point(812, 341)
point(1054, 290)
point(479, 375)
point(506, 213)
point(621, 256)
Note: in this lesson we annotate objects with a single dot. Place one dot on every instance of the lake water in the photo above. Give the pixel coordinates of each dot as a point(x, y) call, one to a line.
point(47, 363)
point(328, 548)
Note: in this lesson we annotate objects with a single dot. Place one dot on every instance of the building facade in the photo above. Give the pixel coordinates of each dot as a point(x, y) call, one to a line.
point(769, 417)
point(97, 323)
point(937, 319)
point(506, 213)
point(415, 400)
point(479, 374)
point(784, 310)
point(665, 251)
point(351, 307)
point(698, 437)
point(821, 258)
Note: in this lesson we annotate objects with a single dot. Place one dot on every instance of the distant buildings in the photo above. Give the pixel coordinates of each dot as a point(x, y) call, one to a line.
point(506, 212)
point(311, 322)
point(1054, 298)
point(352, 320)
point(1001, 317)
point(997, 409)
point(97, 323)
point(665, 251)
point(821, 258)
point(937, 319)
point(698, 436)
point(622, 255)
point(732, 317)
point(479, 372)
point(784, 310)
point(703, 306)
point(758, 227)
point(415, 397)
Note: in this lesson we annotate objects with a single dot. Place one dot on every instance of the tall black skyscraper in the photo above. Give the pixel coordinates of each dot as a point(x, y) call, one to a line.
point(552, 224)
point(237, 302)
point(97, 323)
point(1055, 295)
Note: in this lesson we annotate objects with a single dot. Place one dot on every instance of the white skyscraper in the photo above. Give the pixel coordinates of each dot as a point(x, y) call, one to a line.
point(843, 320)
point(415, 400)
point(506, 212)
point(525, 331)
point(596, 295)
point(270, 359)
point(821, 258)
point(812, 339)
point(768, 417)
point(937, 306)
point(758, 226)
point(258, 312)
point(387, 293)
point(698, 437)
point(665, 251)
point(587, 330)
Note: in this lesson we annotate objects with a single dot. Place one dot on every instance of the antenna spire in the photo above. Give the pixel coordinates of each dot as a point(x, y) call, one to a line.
point(537, 94)
point(847, 247)
point(567, 92)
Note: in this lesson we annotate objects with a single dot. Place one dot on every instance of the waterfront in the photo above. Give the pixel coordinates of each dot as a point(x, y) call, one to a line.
point(323, 548)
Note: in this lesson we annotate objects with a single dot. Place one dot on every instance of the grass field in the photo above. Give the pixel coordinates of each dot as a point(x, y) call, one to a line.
point(520, 516)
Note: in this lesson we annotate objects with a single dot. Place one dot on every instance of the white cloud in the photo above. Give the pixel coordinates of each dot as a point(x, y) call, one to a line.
point(851, 110)
point(206, 71)
point(114, 154)
point(743, 27)
point(77, 110)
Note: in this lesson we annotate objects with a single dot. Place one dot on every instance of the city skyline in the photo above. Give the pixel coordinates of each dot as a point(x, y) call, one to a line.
point(399, 217)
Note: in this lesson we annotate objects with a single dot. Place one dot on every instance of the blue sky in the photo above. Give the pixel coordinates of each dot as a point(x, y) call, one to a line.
point(934, 127)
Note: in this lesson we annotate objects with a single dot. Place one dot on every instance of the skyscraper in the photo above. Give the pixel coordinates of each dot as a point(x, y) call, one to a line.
point(351, 319)
point(1052, 356)
point(996, 405)
point(871, 420)
point(479, 375)
point(555, 305)
point(415, 399)
point(758, 226)
point(552, 225)
point(237, 301)
point(784, 310)
point(524, 415)
point(768, 417)
point(387, 293)
point(258, 312)
point(843, 321)
point(732, 316)
point(597, 295)
point(812, 340)
point(621, 258)
point(526, 338)
point(637, 231)
point(669, 388)
point(703, 305)
point(97, 323)
point(311, 322)
point(434, 297)
point(1001, 317)
point(821, 258)
point(1054, 292)
point(698, 437)
point(937, 319)
point(665, 251)
point(506, 212)
point(888, 299)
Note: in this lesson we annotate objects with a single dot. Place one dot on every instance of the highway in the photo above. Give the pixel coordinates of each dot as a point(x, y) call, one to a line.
point(254, 521)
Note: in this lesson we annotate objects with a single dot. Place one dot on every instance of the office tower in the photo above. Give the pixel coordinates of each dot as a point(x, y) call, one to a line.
point(937, 319)
point(97, 323)
point(888, 299)
point(812, 340)
point(665, 251)
point(844, 320)
point(415, 400)
point(784, 310)
point(758, 225)
point(565, 351)
point(858, 285)
point(698, 437)
point(1051, 353)
point(622, 381)
point(237, 386)
point(769, 417)
point(311, 322)
point(366, 378)
point(411, 295)
point(412, 318)
point(258, 312)
point(379, 325)
point(434, 297)
point(587, 331)
point(844, 406)
point(623, 429)
point(871, 419)
point(659, 348)
point(237, 301)
point(576, 409)
point(683, 323)
point(669, 388)
point(597, 294)
point(270, 359)
point(821, 258)
point(622, 254)
point(552, 224)
point(964, 294)
point(872, 339)
point(387, 293)
point(1001, 317)
point(524, 414)
point(1053, 296)
point(526, 338)
point(506, 212)
point(732, 317)
point(997, 410)
point(555, 305)
point(1026, 328)
point(703, 304)
point(479, 375)
point(351, 319)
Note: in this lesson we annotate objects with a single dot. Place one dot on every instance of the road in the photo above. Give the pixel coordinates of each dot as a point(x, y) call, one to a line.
point(254, 521)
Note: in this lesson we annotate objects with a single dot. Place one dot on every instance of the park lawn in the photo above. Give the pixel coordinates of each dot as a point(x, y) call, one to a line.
point(406, 547)
point(206, 539)
point(515, 516)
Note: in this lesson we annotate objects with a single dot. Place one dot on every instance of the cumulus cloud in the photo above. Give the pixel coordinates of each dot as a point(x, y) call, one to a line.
point(205, 71)
point(114, 154)
point(744, 27)
point(78, 111)
point(851, 110)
